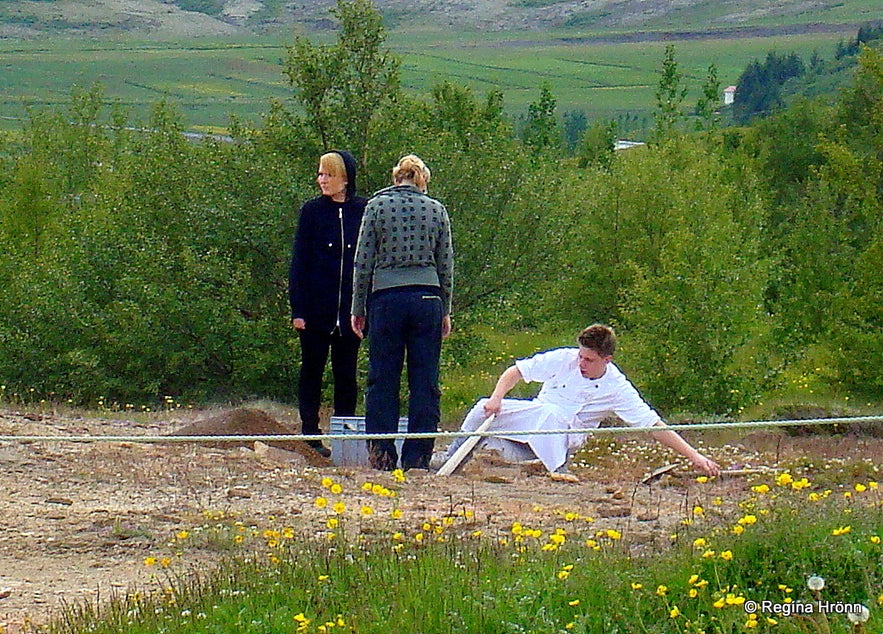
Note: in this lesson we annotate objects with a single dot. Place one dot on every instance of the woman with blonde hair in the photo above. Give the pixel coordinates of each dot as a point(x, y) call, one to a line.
point(404, 269)
point(320, 291)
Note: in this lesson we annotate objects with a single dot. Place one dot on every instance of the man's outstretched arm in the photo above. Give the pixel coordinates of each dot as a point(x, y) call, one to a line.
point(676, 442)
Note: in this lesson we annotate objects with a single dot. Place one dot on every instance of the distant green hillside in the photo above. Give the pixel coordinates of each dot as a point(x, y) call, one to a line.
point(217, 58)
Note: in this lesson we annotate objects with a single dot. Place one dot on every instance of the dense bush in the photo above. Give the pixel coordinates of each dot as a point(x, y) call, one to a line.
point(136, 263)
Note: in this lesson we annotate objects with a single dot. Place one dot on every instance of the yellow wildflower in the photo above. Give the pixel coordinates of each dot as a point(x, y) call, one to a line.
point(336, 489)
point(321, 503)
point(573, 603)
point(396, 514)
point(727, 555)
point(803, 483)
point(332, 522)
point(150, 561)
point(563, 574)
point(784, 479)
point(327, 482)
point(636, 585)
point(699, 542)
point(708, 554)
point(182, 534)
point(719, 603)
point(761, 489)
point(693, 593)
point(875, 539)
point(843, 530)
point(661, 590)
point(860, 488)
point(613, 534)
point(339, 507)
point(738, 529)
point(747, 519)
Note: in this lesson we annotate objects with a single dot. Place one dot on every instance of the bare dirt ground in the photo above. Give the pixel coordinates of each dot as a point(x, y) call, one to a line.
point(78, 519)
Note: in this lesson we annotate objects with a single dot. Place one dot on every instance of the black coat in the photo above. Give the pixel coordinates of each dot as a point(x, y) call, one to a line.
point(320, 278)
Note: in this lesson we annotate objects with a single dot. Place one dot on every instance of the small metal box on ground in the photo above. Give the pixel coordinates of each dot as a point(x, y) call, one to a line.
point(355, 452)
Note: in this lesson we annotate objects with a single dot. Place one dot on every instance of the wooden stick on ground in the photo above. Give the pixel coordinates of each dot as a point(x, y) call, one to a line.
point(464, 450)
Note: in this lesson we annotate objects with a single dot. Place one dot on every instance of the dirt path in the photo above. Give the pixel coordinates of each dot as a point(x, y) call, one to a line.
point(78, 519)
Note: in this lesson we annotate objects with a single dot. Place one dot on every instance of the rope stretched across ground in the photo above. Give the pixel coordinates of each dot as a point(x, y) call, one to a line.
point(764, 424)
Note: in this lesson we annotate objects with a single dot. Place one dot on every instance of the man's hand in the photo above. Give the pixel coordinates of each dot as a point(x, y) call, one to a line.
point(706, 465)
point(358, 325)
point(446, 326)
point(298, 323)
point(493, 406)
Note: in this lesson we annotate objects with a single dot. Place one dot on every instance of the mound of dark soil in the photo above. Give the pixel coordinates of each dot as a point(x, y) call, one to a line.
point(249, 422)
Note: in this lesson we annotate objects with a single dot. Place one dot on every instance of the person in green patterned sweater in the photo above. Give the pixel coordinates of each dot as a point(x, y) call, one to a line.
point(403, 283)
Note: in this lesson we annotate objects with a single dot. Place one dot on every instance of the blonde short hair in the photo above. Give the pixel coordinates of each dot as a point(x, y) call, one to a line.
point(332, 163)
point(411, 168)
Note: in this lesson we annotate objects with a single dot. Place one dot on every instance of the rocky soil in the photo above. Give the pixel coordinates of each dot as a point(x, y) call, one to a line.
point(78, 519)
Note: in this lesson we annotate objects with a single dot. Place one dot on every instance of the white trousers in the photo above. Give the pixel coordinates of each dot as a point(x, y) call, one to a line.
point(528, 415)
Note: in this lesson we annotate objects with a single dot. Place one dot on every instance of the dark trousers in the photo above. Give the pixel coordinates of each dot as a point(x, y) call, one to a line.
point(314, 348)
point(405, 325)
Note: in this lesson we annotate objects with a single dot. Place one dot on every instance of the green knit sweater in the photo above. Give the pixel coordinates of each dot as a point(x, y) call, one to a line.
point(404, 240)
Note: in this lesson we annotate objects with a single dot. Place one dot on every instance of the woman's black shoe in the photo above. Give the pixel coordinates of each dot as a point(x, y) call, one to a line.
point(319, 448)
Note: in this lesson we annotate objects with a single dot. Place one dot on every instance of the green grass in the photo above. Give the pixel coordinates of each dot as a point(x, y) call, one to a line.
point(367, 569)
point(211, 79)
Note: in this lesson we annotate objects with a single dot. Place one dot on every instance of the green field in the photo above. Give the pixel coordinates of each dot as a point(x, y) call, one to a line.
point(209, 80)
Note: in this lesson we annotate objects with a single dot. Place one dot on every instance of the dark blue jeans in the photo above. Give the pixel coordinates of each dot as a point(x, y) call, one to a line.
point(405, 324)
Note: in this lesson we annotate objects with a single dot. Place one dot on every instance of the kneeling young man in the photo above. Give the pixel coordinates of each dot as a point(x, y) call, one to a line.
point(580, 387)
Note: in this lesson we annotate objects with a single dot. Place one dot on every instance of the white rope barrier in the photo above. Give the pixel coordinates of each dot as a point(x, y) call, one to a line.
point(809, 422)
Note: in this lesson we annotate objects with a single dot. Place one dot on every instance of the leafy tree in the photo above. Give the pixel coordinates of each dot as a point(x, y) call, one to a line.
point(668, 249)
point(505, 213)
point(709, 100)
point(541, 130)
point(575, 125)
point(342, 88)
point(760, 85)
point(670, 95)
point(597, 145)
